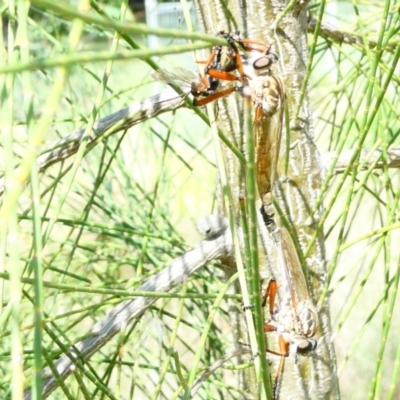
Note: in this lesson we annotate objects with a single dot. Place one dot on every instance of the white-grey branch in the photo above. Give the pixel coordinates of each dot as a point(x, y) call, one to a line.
point(169, 101)
point(121, 120)
point(368, 158)
point(216, 245)
point(328, 31)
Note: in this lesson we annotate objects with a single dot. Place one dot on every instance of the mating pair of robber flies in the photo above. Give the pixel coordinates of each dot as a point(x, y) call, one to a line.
point(246, 56)
point(248, 62)
point(258, 57)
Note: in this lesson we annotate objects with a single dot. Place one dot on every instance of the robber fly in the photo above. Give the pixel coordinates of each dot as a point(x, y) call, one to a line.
point(221, 66)
point(247, 62)
point(205, 88)
point(254, 61)
point(295, 319)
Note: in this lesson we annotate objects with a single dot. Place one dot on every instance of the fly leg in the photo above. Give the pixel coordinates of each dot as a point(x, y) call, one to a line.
point(270, 293)
point(283, 353)
point(270, 296)
point(214, 96)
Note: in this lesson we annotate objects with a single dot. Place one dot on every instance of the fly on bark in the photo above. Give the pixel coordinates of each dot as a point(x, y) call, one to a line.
point(294, 318)
point(255, 65)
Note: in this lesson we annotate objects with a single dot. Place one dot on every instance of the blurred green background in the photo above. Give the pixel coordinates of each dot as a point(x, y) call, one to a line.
point(133, 202)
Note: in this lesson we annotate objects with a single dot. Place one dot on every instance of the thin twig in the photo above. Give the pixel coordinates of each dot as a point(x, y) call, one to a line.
point(328, 31)
point(368, 158)
point(212, 368)
point(107, 126)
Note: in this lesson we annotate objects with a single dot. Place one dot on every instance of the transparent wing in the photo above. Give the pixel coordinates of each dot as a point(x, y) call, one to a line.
point(178, 76)
point(290, 261)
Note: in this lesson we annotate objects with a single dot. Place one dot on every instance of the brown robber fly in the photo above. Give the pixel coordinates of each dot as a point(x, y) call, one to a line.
point(254, 61)
point(222, 65)
point(295, 319)
point(204, 88)
point(267, 94)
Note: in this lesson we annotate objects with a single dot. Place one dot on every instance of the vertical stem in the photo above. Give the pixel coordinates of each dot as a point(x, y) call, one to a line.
point(262, 375)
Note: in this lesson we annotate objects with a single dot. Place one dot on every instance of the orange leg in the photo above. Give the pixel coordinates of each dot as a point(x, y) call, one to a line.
point(215, 51)
point(223, 75)
point(239, 63)
point(283, 353)
point(270, 293)
point(214, 96)
point(284, 350)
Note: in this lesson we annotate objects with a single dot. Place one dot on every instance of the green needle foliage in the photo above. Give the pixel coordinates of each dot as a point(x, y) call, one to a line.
point(81, 237)
point(354, 90)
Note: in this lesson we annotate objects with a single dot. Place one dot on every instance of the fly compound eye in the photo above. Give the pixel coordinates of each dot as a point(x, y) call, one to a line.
point(265, 61)
point(306, 346)
point(262, 63)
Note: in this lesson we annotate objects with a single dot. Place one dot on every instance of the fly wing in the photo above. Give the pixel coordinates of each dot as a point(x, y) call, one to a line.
point(290, 261)
point(178, 76)
point(268, 131)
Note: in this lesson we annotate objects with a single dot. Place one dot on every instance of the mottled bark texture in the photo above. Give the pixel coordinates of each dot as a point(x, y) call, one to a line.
point(300, 177)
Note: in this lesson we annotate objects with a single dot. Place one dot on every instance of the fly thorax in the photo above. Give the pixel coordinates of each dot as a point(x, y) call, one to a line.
point(285, 318)
point(306, 321)
point(267, 93)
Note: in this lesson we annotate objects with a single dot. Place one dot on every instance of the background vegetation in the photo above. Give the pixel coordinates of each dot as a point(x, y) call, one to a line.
point(106, 219)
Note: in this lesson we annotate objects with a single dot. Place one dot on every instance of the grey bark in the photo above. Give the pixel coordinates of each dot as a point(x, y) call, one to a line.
point(313, 377)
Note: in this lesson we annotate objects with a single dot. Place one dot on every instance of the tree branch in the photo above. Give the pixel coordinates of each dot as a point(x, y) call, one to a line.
point(121, 120)
point(212, 368)
point(167, 101)
point(328, 31)
point(368, 158)
point(216, 246)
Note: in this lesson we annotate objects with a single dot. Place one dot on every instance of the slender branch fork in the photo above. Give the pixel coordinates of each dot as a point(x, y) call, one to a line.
point(167, 101)
point(121, 120)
